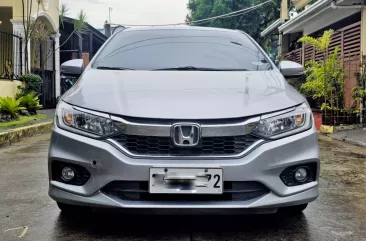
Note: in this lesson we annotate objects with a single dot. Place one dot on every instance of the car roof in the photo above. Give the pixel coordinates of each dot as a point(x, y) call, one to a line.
point(178, 27)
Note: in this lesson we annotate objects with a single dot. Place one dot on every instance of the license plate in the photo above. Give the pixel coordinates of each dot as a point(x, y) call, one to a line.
point(186, 180)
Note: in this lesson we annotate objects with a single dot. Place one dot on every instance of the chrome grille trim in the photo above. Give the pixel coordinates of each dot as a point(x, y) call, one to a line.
point(142, 129)
point(219, 129)
point(234, 129)
point(145, 129)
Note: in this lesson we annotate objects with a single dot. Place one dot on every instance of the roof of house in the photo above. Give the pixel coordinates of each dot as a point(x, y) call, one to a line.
point(272, 28)
point(321, 15)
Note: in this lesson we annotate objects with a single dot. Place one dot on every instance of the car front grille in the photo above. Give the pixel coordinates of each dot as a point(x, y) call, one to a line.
point(163, 146)
point(139, 191)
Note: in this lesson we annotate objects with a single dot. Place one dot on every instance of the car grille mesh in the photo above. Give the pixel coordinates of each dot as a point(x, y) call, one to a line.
point(163, 146)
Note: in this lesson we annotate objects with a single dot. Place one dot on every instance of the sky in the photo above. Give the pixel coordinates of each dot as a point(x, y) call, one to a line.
point(130, 11)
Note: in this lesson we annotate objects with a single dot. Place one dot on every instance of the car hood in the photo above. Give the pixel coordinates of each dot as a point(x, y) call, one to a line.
point(183, 94)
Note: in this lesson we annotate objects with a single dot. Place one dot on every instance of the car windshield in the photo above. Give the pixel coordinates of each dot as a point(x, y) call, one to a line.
point(187, 50)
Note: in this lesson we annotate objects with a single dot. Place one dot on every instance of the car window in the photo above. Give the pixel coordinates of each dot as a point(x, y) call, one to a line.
point(164, 49)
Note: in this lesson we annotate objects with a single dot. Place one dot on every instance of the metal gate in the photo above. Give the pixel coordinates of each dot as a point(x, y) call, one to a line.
point(43, 64)
point(10, 55)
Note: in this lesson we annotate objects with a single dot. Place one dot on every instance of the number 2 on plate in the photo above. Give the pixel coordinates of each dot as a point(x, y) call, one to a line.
point(217, 177)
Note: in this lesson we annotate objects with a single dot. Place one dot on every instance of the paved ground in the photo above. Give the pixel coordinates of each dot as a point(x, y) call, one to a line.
point(48, 112)
point(357, 136)
point(338, 214)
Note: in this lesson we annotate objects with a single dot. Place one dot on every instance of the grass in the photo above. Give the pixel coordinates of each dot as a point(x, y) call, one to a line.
point(23, 120)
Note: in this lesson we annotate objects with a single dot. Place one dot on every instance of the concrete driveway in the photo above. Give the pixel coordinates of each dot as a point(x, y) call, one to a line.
point(338, 214)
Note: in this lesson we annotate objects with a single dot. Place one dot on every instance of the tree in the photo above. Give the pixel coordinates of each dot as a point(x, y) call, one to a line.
point(253, 22)
point(359, 91)
point(36, 30)
point(325, 79)
point(41, 33)
point(29, 25)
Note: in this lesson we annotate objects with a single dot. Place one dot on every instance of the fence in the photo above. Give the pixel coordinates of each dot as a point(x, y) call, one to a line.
point(43, 64)
point(11, 62)
point(295, 56)
point(348, 40)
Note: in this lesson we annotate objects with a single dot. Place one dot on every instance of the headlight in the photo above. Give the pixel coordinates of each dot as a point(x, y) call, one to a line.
point(84, 123)
point(286, 124)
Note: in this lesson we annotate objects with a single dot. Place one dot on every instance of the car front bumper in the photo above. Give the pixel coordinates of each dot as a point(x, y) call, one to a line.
point(263, 165)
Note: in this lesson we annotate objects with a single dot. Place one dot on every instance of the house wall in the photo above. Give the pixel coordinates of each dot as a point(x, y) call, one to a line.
point(13, 20)
point(50, 7)
point(16, 5)
point(9, 88)
point(363, 31)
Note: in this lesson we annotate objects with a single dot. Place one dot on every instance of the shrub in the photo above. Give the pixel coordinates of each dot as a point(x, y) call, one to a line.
point(10, 106)
point(30, 102)
point(325, 78)
point(21, 92)
point(32, 82)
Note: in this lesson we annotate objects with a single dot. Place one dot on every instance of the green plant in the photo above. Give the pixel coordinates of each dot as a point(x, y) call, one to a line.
point(297, 82)
point(359, 91)
point(32, 82)
point(22, 120)
point(30, 102)
point(21, 92)
point(325, 79)
point(10, 106)
point(320, 44)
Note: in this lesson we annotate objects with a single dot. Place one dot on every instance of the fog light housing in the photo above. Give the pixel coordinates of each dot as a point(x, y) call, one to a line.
point(71, 174)
point(301, 174)
point(67, 174)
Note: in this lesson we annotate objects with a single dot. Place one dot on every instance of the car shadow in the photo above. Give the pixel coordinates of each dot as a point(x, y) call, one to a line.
point(113, 226)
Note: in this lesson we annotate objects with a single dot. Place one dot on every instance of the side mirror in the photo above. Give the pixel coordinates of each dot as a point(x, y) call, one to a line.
point(291, 69)
point(72, 67)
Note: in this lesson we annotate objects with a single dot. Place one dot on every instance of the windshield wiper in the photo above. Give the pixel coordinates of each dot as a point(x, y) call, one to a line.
point(191, 68)
point(113, 68)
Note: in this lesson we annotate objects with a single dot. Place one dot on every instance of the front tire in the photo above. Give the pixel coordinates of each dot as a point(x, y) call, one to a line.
point(294, 210)
point(71, 209)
